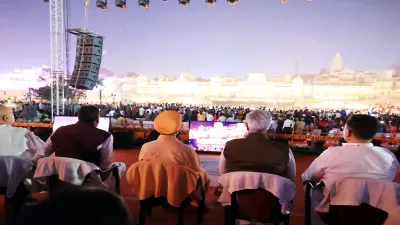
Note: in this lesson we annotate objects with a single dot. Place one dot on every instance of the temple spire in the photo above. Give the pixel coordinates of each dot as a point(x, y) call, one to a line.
point(337, 64)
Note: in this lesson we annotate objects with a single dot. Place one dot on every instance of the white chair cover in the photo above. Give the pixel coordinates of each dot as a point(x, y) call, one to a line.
point(381, 194)
point(13, 170)
point(282, 188)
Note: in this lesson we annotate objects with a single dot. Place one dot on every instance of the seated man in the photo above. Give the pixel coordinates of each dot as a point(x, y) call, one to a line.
point(83, 140)
point(256, 153)
point(357, 158)
point(168, 149)
point(16, 141)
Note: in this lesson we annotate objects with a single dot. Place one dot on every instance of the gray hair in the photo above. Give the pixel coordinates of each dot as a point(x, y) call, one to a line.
point(258, 121)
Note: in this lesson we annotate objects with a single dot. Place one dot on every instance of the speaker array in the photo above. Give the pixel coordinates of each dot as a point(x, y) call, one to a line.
point(89, 51)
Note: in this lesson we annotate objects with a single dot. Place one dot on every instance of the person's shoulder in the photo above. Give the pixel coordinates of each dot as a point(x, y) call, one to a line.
point(384, 151)
point(235, 141)
point(17, 129)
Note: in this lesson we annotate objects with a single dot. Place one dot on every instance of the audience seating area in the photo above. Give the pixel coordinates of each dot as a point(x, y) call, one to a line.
point(215, 214)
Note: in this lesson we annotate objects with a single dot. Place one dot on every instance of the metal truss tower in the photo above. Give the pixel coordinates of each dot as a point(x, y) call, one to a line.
point(57, 53)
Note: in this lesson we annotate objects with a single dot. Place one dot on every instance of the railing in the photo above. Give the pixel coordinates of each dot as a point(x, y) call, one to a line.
point(184, 134)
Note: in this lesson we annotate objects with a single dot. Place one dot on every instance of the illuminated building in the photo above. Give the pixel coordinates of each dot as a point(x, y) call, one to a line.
point(336, 85)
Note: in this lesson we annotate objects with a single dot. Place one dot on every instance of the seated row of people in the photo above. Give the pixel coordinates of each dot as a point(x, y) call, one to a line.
point(256, 153)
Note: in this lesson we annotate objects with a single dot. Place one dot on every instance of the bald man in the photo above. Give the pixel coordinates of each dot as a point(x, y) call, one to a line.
point(16, 141)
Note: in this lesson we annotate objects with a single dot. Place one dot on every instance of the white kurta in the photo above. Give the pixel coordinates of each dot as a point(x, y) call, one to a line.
point(16, 141)
point(353, 161)
point(17, 148)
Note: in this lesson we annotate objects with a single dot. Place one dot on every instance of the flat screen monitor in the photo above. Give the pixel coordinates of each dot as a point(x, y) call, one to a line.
point(60, 121)
point(207, 136)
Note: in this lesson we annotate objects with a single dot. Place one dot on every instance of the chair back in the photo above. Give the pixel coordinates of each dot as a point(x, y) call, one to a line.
point(257, 197)
point(13, 170)
point(61, 173)
point(256, 205)
point(362, 214)
point(175, 182)
point(69, 170)
point(353, 201)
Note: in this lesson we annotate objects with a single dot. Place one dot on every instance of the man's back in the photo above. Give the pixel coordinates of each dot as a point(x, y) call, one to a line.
point(257, 154)
point(354, 160)
point(80, 141)
point(167, 149)
point(12, 140)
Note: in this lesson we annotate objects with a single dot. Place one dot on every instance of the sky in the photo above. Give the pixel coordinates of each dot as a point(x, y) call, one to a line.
point(253, 36)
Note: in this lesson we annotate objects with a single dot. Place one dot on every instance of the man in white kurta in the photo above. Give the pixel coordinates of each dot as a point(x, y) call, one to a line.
point(357, 158)
point(16, 141)
point(17, 148)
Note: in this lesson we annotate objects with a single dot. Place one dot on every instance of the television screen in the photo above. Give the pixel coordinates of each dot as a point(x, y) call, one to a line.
point(212, 136)
point(60, 121)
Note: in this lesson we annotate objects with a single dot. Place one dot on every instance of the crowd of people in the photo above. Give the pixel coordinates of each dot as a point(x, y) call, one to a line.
point(250, 157)
point(283, 120)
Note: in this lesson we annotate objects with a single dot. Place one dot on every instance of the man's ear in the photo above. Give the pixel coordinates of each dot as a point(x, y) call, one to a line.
point(349, 133)
point(5, 118)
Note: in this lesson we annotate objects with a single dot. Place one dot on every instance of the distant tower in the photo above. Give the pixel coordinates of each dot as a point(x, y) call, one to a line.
point(296, 66)
point(337, 64)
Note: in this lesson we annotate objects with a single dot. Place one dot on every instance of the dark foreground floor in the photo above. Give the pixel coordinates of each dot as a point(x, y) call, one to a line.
point(214, 216)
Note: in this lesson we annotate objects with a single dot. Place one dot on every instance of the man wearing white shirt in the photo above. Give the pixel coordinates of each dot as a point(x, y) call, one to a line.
point(222, 118)
point(357, 158)
point(141, 111)
point(209, 117)
point(288, 125)
point(231, 119)
point(16, 141)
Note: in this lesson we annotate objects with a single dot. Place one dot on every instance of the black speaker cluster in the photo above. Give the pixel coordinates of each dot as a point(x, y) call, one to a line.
point(89, 50)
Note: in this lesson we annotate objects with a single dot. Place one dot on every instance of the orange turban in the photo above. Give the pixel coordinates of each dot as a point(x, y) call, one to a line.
point(168, 122)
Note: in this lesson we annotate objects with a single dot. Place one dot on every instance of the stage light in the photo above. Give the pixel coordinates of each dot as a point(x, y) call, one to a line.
point(211, 2)
point(184, 3)
point(121, 4)
point(232, 2)
point(308, 0)
point(284, 1)
point(102, 4)
point(144, 3)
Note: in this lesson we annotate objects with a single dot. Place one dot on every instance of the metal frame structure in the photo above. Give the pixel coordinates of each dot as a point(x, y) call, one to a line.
point(57, 53)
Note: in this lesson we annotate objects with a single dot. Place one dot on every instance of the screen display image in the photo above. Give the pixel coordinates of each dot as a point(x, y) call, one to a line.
point(212, 136)
point(60, 121)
